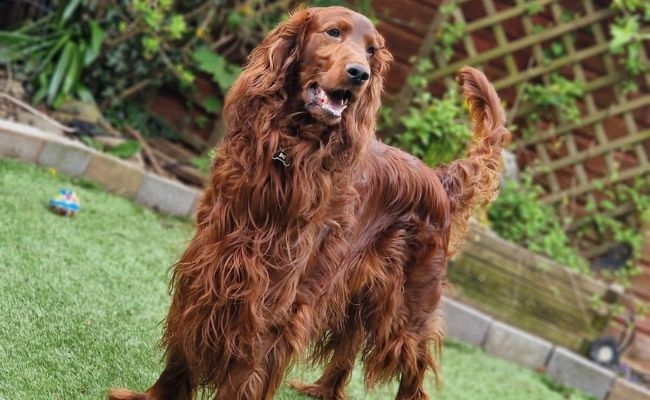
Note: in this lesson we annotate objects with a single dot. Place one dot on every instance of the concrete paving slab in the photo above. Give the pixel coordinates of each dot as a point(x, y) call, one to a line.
point(573, 370)
point(166, 196)
point(465, 323)
point(515, 345)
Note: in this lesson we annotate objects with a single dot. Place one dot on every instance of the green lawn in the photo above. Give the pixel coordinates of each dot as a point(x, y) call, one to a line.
point(81, 301)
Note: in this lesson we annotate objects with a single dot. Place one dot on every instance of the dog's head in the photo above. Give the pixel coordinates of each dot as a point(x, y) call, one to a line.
point(329, 62)
point(343, 62)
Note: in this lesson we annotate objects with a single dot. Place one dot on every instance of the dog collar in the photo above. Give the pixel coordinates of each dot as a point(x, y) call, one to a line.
point(282, 157)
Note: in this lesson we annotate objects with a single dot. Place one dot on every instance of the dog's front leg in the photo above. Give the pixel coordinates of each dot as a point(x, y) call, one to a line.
point(260, 374)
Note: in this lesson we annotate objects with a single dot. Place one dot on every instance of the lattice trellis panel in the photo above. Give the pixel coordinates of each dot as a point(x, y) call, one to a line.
point(518, 43)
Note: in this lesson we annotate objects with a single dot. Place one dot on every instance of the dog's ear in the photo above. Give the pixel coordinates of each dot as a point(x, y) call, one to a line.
point(280, 49)
point(380, 64)
point(263, 81)
point(273, 60)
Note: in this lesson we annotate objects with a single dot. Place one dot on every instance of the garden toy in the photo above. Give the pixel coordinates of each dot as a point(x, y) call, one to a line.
point(65, 203)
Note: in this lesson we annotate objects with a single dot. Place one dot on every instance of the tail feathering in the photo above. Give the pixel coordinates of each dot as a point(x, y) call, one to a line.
point(473, 182)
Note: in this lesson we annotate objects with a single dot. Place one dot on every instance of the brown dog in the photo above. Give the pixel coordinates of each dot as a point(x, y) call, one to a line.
point(312, 232)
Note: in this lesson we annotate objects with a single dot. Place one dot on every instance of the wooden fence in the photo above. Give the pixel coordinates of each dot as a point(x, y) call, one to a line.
point(529, 291)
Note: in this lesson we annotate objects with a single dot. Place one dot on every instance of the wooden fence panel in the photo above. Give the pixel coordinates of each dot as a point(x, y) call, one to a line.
point(529, 291)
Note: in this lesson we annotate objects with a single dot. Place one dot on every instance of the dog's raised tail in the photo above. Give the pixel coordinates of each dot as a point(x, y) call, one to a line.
point(474, 181)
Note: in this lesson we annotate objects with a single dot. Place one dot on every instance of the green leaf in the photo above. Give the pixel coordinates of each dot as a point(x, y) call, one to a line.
point(533, 8)
point(15, 38)
point(623, 32)
point(16, 46)
point(151, 45)
point(39, 96)
point(55, 49)
point(557, 49)
point(234, 19)
point(608, 205)
point(211, 104)
point(208, 60)
point(125, 150)
point(83, 93)
point(176, 26)
point(60, 71)
point(73, 72)
point(202, 163)
point(97, 35)
point(69, 10)
point(165, 4)
point(30, 27)
point(223, 73)
point(598, 184)
point(40, 82)
point(634, 65)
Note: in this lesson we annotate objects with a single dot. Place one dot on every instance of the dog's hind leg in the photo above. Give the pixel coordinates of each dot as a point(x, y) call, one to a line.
point(173, 384)
point(407, 351)
point(401, 323)
point(340, 349)
point(421, 337)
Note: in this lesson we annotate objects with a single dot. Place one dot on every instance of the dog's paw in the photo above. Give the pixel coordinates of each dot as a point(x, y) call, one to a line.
point(123, 394)
point(314, 390)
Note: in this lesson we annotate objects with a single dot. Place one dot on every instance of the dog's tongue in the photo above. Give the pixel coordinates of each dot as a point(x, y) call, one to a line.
point(332, 106)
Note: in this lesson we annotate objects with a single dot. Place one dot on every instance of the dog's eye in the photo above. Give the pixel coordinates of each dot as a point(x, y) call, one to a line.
point(333, 32)
point(371, 50)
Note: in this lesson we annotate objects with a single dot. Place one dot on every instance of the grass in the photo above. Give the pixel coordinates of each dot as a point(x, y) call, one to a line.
point(81, 300)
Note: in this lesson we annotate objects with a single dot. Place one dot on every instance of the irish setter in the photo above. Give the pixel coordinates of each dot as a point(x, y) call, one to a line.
point(313, 235)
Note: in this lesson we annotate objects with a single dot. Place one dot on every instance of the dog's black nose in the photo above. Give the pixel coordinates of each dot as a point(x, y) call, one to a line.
point(357, 73)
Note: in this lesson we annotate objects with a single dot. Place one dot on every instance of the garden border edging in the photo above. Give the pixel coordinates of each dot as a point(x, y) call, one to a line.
point(469, 325)
point(116, 176)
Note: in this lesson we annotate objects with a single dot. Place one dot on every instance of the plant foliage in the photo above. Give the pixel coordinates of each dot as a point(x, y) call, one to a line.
point(561, 95)
point(519, 215)
point(53, 52)
point(628, 37)
point(433, 129)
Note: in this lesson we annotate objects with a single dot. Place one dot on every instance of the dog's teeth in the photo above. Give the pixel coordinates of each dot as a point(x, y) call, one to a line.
point(333, 103)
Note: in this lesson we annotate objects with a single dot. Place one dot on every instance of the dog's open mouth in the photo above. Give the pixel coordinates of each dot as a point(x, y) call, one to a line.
point(333, 102)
